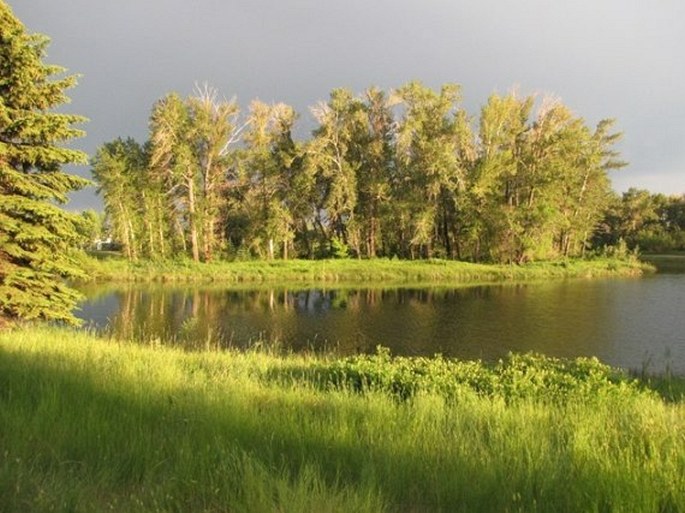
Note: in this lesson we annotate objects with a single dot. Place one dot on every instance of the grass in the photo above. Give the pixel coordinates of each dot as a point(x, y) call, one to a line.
point(303, 272)
point(90, 425)
point(672, 262)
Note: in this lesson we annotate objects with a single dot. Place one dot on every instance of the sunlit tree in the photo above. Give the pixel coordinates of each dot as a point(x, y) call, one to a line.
point(267, 174)
point(36, 235)
point(429, 150)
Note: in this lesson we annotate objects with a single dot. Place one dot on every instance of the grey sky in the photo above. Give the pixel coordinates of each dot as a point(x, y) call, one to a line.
point(623, 59)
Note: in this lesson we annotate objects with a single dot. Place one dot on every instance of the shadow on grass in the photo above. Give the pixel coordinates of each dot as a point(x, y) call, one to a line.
point(73, 442)
point(74, 438)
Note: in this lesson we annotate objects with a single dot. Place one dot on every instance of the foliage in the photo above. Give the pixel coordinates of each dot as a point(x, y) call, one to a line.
point(433, 136)
point(403, 174)
point(268, 173)
point(339, 249)
point(119, 167)
point(541, 183)
point(516, 378)
point(165, 198)
point(653, 223)
point(36, 236)
point(90, 226)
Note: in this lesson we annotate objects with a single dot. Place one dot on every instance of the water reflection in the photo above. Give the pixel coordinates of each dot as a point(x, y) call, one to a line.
point(630, 322)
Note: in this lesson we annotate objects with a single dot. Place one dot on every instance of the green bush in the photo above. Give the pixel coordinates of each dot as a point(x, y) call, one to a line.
point(516, 377)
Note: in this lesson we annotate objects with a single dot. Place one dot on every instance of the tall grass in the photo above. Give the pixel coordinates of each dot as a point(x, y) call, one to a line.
point(351, 271)
point(92, 425)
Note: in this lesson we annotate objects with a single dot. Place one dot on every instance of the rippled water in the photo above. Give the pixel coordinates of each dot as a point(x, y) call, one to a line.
point(636, 323)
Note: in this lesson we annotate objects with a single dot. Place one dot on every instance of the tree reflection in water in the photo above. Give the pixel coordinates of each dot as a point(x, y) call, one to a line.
point(623, 322)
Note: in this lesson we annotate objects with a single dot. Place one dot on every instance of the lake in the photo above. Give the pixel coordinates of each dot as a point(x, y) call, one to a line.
point(634, 323)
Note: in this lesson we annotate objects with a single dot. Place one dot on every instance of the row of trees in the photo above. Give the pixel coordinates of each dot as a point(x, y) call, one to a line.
point(407, 174)
point(653, 223)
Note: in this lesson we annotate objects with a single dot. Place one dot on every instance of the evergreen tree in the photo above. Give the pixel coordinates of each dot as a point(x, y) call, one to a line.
point(36, 236)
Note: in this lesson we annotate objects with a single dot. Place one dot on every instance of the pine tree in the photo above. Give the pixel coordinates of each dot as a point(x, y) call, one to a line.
point(36, 236)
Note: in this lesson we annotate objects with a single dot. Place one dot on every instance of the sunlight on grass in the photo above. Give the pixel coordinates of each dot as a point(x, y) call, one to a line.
point(95, 425)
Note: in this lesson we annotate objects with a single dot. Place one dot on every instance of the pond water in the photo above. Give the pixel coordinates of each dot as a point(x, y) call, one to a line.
point(635, 323)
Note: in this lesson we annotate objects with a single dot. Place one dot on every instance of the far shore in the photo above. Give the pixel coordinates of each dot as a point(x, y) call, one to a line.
point(353, 271)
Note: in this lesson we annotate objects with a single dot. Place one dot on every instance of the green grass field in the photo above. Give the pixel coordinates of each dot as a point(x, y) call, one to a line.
point(89, 425)
point(351, 271)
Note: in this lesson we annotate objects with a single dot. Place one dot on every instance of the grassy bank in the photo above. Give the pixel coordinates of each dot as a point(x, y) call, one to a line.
point(351, 271)
point(673, 262)
point(90, 425)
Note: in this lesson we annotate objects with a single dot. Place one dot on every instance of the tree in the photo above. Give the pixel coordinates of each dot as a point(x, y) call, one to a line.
point(266, 169)
point(117, 168)
point(214, 128)
point(653, 223)
point(495, 179)
point(407, 173)
point(36, 236)
point(334, 159)
point(90, 227)
point(539, 186)
point(430, 143)
point(585, 191)
point(376, 170)
point(189, 152)
point(171, 160)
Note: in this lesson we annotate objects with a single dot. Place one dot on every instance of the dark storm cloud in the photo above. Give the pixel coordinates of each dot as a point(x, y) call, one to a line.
point(604, 58)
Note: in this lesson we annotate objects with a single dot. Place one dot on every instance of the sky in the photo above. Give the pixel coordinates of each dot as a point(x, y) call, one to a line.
point(622, 59)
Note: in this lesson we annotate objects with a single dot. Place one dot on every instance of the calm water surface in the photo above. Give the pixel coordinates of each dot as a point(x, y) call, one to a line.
point(636, 323)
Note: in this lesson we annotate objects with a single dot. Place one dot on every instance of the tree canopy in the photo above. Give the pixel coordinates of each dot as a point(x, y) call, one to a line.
point(36, 235)
point(407, 174)
point(648, 222)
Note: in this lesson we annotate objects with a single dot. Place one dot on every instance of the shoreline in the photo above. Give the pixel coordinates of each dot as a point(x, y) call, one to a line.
point(372, 272)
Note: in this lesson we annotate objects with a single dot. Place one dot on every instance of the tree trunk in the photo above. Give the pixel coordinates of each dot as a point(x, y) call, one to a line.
point(373, 230)
point(124, 225)
point(134, 250)
point(192, 220)
point(446, 233)
point(209, 238)
point(305, 237)
point(180, 235)
point(160, 228)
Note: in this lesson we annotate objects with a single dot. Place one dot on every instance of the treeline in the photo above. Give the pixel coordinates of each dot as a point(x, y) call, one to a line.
point(408, 173)
point(653, 223)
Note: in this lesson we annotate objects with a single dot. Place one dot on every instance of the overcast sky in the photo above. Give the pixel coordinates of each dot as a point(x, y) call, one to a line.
point(622, 59)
